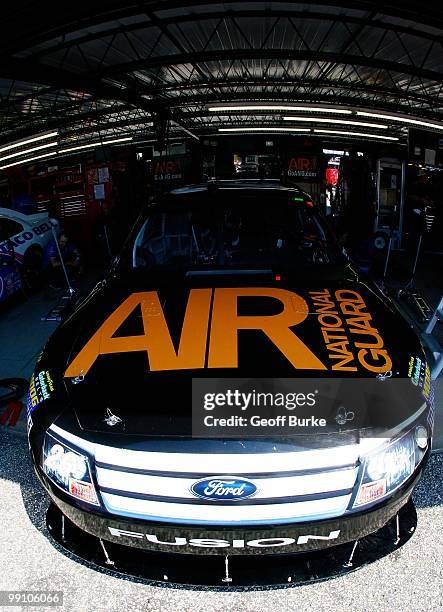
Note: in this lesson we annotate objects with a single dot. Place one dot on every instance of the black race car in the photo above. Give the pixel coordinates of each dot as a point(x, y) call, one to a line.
point(221, 286)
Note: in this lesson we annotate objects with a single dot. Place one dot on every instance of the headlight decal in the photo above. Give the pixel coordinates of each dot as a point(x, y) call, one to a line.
point(387, 469)
point(69, 470)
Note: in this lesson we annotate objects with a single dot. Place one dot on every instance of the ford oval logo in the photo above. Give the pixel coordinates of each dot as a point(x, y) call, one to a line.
point(218, 488)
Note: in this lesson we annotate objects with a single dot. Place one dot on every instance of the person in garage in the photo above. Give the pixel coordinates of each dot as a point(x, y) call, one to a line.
point(71, 259)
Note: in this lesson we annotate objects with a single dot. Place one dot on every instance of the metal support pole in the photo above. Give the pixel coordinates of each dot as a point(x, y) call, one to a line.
point(108, 559)
point(70, 289)
point(105, 230)
point(63, 527)
point(397, 529)
point(388, 254)
point(402, 203)
point(437, 316)
point(377, 217)
point(108, 246)
point(438, 367)
point(417, 255)
point(227, 577)
point(349, 561)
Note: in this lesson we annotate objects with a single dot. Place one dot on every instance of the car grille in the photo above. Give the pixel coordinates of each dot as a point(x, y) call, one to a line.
point(136, 487)
point(291, 486)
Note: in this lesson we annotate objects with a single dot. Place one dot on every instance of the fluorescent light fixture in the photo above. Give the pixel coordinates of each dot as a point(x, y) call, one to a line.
point(29, 159)
point(437, 126)
point(22, 143)
point(317, 109)
point(91, 145)
point(363, 135)
point(66, 150)
point(137, 142)
point(276, 107)
point(343, 121)
point(270, 130)
point(18, 153)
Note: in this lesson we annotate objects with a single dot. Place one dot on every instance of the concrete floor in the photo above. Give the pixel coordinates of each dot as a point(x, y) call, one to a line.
point(23, 334)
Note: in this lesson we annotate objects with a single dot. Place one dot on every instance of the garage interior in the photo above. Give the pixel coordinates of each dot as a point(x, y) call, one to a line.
point(105, 106)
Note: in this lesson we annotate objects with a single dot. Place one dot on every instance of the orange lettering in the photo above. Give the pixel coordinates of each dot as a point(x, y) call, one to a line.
point(223, 349)
point(156, 339)
point(376, 354)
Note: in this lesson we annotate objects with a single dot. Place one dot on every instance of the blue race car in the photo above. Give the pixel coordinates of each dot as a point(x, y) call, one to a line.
point(10, 279)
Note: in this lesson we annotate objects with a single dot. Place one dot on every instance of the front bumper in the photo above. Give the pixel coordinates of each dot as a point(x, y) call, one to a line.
point(221, 540)
point(235, 571)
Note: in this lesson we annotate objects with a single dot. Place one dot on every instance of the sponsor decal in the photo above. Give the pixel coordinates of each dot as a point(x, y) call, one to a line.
point(168, 170)
point(303, 167)
point(42, 229)
point(220, 488)
point(361, 343)
point(41, 388)
point(223, 323)
point(420, 375)
point(7, 246)
point(216, 543)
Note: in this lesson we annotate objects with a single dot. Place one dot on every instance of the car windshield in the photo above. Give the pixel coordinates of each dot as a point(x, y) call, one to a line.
point(250, 233)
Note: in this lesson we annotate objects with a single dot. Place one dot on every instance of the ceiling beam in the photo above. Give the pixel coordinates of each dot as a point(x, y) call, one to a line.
point(32, 72)
point(229, 86)
point(66, 18)
point(268, 54)
point(267, 13)
point(22, 69)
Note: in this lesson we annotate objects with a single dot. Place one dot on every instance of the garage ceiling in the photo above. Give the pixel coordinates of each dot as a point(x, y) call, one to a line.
point(121, 68)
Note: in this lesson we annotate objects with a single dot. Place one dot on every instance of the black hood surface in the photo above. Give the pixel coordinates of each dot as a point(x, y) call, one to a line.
point(158, 403)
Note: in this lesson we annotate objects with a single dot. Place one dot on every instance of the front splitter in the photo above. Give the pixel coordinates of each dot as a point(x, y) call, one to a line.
point(232, 572)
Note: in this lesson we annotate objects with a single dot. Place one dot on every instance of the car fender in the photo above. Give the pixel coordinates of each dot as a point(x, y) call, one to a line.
point(36, 234)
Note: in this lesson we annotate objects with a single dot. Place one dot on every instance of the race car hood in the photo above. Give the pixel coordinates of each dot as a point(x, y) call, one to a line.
point(134, 346)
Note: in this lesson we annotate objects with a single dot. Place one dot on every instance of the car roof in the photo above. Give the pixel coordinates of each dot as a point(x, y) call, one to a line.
point(250, 192)
point(9, 213)
point(241, 184)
